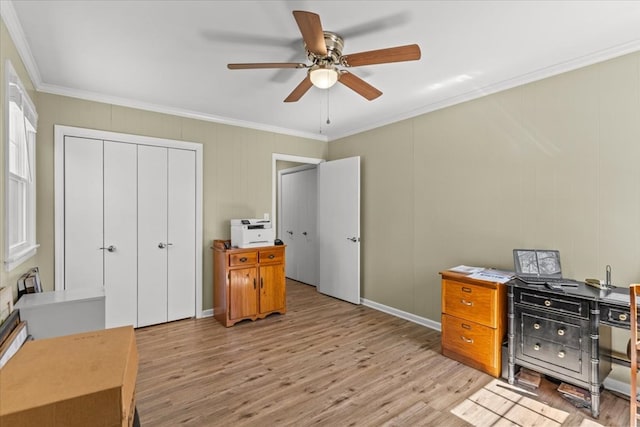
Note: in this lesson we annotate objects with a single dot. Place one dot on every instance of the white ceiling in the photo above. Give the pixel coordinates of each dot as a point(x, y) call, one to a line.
point(171, 56)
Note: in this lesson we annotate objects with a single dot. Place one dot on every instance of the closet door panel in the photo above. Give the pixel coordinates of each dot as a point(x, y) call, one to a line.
point(120, 231)
point(83, 260)
point(181, 194)
point(152, 235)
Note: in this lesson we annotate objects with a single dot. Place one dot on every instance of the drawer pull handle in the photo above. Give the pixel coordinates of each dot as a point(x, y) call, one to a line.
point(467, 290)
point(547, 302)
point(465, 302)
point(536, 347)
point(622, 317)
point(272, 256)
point(561, 354)
point(465, 326)
point(536, 325)
point(243, 259)
point(561, 331)
point(467, 340)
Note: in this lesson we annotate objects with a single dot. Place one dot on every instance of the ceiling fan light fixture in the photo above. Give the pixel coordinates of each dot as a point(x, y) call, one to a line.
point(323, 76)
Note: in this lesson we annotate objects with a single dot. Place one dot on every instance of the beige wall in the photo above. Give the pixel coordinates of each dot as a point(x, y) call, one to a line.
point(552, 164)
point(8, 52)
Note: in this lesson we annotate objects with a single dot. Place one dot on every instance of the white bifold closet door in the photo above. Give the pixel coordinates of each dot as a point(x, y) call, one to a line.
point(130, 226)
point(166, 234)
point(100, 223)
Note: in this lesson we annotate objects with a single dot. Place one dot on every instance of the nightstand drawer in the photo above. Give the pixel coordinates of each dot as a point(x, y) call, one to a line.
point(471, 302)
point(469, 339)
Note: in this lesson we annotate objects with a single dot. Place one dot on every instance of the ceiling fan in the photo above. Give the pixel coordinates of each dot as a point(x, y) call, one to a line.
point(324, 50)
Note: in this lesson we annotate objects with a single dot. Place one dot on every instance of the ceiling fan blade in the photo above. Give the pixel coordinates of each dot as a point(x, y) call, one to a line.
point(311, 29)
point(250, 66)
point(358, 85)
point(300, 90)
point(409, 52)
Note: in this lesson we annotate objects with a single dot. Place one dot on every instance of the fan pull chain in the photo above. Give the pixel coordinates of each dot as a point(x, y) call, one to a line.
point(328, 120)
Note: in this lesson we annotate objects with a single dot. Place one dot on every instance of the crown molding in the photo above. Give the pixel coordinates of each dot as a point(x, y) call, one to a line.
point(131, 103)
point(10, 18)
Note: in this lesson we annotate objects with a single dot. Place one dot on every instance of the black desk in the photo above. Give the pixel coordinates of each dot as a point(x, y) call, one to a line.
point(558, 332)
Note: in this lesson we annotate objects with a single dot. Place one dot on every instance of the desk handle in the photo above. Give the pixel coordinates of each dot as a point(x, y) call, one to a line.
point(536, 347)
point(536, 325)
point(465, 289)
point(467, 340)
point(467, 303)
point(561, 354)
point(547, 303)
point(622, 317)
point(243, 259)
point(561, 332)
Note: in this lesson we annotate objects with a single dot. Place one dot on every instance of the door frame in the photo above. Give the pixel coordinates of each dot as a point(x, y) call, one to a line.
point(60, 132)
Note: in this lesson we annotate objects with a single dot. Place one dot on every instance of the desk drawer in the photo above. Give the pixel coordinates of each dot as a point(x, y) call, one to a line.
point(616, 316)
point(566, 358)
point(471, 302)
point(561, 332)
point(549, 301)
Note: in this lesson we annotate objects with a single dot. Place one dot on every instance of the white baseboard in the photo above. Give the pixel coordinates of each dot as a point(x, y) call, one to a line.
point(618, 386)
point(207, 313)
point(402, 314)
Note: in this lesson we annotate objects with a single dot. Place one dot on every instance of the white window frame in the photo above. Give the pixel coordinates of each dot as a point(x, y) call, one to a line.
point(15, 253)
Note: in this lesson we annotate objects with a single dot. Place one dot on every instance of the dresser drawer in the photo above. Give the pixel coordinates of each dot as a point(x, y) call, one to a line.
point(471, 302)
point(557, 331)
point(243, 258)
point(551, 301)
point(469, 339)
point(271, 255)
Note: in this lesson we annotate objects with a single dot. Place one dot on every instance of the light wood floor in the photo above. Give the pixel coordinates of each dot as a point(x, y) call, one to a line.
point(325, 362)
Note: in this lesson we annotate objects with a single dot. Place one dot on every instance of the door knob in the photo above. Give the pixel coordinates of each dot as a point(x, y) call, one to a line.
point(304, 233)
point(109, 248)
point(162, 245)
point(353, 239)
point(290, 232)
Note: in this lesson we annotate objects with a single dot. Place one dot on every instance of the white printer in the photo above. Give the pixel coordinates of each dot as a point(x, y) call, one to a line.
point(251, 233)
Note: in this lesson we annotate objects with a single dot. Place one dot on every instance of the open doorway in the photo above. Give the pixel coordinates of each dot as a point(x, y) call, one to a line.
point(294, 213)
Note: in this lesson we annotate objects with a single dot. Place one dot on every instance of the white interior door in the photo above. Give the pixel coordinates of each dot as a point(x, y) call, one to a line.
point(339, 228)
point(181, 234)
point(307, 227)
point(152, 235)
point(120, 234)
point(83, 232)
point(288, 218)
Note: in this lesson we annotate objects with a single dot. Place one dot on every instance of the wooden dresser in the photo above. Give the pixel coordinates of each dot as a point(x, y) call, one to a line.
point(474, 321)
point(247, 283)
